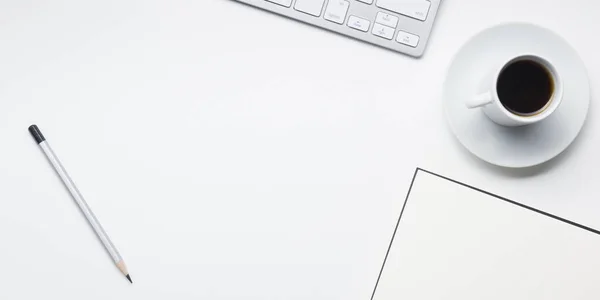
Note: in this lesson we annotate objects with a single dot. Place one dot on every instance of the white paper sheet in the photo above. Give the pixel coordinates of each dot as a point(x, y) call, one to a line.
point(456, 242)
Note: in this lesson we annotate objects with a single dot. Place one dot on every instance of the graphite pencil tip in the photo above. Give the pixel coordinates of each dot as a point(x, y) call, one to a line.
point(128, 278)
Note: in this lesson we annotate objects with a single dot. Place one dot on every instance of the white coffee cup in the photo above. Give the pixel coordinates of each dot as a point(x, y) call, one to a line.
point(493, 107)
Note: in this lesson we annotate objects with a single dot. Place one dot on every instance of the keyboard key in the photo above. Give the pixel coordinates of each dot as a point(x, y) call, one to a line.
point(311, 7)
point(383, 31)
point(408, 39)
point(386, 19)
point(359, 23)
point(417, 9)
point(336, 11)
point(286, 3)
point(366, 1)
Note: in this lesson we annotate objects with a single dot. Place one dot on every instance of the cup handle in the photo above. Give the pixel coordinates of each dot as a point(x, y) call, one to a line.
point(480, 100)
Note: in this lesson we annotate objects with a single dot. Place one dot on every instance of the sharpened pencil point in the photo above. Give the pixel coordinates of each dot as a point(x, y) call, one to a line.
point(128, 278)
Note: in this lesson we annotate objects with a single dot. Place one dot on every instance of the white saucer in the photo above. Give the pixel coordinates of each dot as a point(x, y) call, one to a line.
point(515, 147)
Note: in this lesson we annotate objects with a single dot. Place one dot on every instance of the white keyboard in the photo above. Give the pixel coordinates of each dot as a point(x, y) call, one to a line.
point(399, 25)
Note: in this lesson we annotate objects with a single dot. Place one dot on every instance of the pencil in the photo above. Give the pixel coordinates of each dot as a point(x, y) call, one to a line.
point(87, 212)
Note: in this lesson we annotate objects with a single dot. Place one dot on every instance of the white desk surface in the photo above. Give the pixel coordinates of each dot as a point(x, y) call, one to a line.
point(234, 154)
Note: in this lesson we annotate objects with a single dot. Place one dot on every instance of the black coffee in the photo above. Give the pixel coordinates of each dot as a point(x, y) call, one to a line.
point(525, 87)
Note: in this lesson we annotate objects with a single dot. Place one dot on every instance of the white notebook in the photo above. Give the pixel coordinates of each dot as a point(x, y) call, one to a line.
point(455, 242)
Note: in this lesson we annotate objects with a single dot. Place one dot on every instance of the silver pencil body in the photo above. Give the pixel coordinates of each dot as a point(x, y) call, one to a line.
point(60, 170)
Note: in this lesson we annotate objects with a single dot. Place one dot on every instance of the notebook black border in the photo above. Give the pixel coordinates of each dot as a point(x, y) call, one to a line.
point(476, 189)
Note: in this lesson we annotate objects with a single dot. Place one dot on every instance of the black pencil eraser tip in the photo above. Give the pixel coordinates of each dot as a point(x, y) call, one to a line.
point(36, 133)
